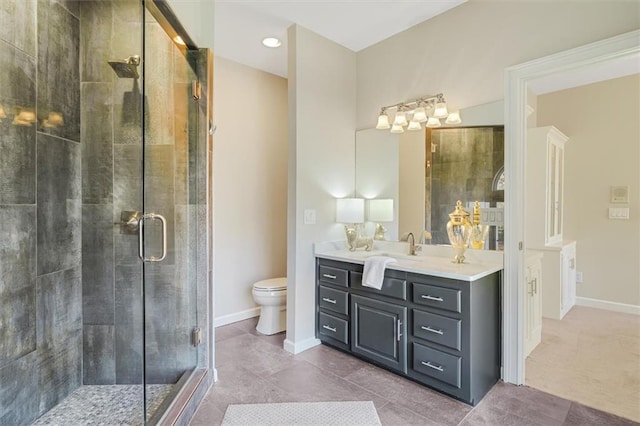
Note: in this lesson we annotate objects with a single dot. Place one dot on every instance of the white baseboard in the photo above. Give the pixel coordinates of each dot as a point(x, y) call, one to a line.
point(235, 317)
point(609, 306)
point(297, 347)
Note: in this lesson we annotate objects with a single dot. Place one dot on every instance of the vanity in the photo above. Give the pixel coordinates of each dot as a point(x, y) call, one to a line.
point(433, 321)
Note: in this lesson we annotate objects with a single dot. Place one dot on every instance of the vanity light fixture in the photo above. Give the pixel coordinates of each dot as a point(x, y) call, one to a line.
point(271, 42)
point(411, 114)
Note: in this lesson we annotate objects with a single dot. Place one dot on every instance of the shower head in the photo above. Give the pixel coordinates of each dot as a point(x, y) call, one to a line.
point(126, 68)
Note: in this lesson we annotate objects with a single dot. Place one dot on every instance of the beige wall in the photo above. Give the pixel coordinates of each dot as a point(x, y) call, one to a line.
point(463, 52)
point(249, 184)
point(322, 107)
point(602, 121)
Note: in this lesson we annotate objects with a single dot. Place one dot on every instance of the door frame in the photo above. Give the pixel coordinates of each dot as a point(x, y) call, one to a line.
point(517, 79)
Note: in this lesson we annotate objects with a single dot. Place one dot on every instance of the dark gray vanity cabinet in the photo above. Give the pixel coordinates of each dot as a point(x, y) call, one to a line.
point(377, 330)
point(441, 332)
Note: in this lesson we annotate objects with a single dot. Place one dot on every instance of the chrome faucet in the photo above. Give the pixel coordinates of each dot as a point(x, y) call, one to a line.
point(413, 248)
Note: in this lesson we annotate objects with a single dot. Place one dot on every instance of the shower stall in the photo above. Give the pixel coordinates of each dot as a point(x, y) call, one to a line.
point(104, 213)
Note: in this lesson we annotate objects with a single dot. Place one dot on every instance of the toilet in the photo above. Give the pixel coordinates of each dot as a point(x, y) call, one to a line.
point(271, 295)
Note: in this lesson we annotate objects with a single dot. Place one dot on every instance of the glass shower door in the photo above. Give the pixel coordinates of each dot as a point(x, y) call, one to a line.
point(169, 231)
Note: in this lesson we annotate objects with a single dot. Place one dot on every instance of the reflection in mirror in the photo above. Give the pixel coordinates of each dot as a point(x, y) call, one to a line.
point(394, 166)
point(465, 164)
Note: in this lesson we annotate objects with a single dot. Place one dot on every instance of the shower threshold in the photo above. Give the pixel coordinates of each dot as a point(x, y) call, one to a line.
point(106, 405)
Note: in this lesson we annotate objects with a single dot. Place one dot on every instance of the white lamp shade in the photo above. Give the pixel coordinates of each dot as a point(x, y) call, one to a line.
point(383, 122)
point(414, 125)
point(441, 110)
point(381, 210)
point(419, 115)
point(350, 210)
point(453, 118)
point(400, 119)
point(396, 128)
point(433, 122)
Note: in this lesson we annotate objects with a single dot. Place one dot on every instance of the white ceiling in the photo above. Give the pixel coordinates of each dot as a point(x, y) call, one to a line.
point(240, 25)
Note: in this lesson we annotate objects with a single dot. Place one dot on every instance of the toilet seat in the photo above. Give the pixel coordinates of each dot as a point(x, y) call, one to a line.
point(274, 284)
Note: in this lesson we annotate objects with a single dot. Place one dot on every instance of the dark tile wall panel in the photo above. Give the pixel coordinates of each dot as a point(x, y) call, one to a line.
point(99, 364)
point(59, 324)
point(17, 142)
point(96, 30)
point(60, 371)
point(59, 307)
point(98, 298)
point(17, 27)
point(19, 391)
point(58, 69)
point(17, 283)
point(97, 143)
point(128, 327)
point(59, 204)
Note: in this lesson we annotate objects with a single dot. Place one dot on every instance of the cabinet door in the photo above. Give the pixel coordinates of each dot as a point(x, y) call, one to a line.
point(378, 331)
point(528, 313)
point(568, 263)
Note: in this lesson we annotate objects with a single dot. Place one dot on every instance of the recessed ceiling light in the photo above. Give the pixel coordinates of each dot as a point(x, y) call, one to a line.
point(271, 42)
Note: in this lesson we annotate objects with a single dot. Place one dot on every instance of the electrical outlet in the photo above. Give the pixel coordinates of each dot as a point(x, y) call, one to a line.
point(579, 277)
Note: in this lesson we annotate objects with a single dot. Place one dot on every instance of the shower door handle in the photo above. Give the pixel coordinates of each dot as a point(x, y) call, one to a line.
point(163, 221)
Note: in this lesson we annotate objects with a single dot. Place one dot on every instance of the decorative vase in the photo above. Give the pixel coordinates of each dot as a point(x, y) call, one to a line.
point(478, 232)
point(459, 231)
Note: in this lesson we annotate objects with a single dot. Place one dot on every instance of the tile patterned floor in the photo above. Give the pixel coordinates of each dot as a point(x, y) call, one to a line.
point(255, 369)
point(105, 405)
point(591, 356)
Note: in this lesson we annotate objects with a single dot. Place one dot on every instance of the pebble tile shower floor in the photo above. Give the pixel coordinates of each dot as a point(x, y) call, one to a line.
point(105, 405)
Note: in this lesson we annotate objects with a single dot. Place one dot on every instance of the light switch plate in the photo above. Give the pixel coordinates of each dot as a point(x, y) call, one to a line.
point(619, 213)
point(309, 217)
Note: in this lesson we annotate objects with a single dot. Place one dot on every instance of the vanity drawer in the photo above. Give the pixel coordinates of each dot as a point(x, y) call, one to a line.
point(332, 327)
point(437, 364)
point(437, 297)
point(392, 287)
point(334, 276)
point(437, 328)
point(333, 300)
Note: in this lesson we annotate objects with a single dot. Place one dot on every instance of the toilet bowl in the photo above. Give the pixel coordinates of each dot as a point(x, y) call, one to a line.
point(271, 295)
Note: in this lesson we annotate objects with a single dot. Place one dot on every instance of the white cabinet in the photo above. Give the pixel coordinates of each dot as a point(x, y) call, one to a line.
point(559, 277)
point(533, 301)
point(545, 185)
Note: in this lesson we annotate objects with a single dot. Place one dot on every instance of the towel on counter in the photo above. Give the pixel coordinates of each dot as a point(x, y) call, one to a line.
point(373, 274)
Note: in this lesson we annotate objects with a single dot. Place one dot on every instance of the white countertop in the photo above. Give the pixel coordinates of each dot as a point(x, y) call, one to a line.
point(430, 260)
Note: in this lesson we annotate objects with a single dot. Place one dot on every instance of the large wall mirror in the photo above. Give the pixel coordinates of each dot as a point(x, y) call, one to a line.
point(426, 171)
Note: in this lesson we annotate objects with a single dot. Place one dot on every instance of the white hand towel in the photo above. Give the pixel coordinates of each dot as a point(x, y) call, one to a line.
point(373, 274)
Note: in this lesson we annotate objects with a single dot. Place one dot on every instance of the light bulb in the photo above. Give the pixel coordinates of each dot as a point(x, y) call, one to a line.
point(396, 128)
point(441, 110)
point(414, 125)
point(420, 115)
point(400, 119)
point(383, 121)
point(433, 122)
point(453, 118)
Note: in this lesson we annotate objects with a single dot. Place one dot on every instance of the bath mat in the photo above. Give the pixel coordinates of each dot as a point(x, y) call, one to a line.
point(302, 413)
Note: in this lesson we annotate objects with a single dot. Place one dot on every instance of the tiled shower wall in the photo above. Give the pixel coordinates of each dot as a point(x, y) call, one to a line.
point(40, 207)
point(71, 285)
point(463, 167)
